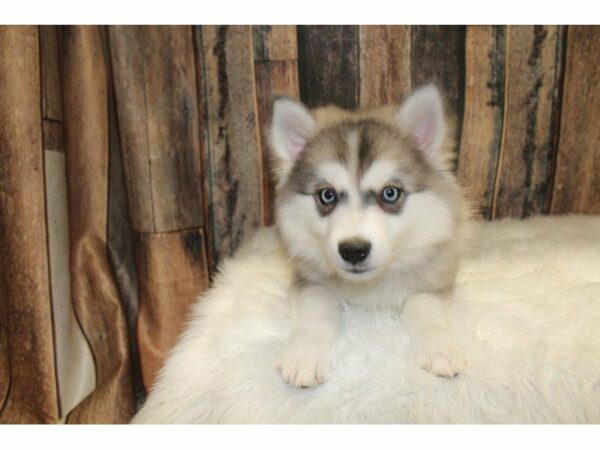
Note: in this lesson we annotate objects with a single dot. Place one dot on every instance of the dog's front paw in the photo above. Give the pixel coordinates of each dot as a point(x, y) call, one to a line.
point(305, 361)
point(437, 351)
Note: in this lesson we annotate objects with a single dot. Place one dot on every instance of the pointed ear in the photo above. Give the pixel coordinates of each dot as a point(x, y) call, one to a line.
point(421, 117)
point(291, 128)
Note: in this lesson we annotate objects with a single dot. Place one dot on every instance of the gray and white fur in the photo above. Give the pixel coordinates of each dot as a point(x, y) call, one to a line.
point(370, 214)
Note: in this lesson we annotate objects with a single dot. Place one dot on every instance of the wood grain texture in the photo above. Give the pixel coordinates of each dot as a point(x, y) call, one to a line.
point(482, 122)
point(577, 180)
point(385, 74)
point(274, 78)
point(328, 65)
point(121, 238)
point(234, 162)
point(95, 295)
point(4, 349)
point(52, 115)
point(275, 42)
point(50, 74)
point(533, 79)
point(121, 254)
point(32, 395)
point(155, 84)
point(53, 136)
point(172, 272)
point(438, 56)
point(4, 358)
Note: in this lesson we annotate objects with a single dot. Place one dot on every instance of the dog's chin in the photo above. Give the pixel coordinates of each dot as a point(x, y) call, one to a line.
point(357, 274)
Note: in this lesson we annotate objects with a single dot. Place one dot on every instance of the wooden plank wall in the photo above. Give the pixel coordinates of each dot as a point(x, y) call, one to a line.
point(577, 178)
point(195, 192)
point(504, 88)
point(233, 159)
point(534, 57)
point(481, 136)
point(182, 116)
point(276, 74)
point(25, 296)
point(154, 76)
point(507, 90)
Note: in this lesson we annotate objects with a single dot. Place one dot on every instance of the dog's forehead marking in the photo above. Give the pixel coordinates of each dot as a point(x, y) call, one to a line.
point(352, 141)
point(377, 140)
point(356, 157)
point(336, 174)
point(363, 161)
point(381, 171)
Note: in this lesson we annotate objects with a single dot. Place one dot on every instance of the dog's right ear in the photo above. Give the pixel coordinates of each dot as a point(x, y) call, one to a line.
point(291, 128)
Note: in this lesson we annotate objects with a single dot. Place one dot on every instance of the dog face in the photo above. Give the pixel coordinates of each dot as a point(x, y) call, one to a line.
point(362, 194)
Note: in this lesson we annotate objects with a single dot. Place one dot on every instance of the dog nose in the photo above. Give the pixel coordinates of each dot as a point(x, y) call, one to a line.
point(354, 251)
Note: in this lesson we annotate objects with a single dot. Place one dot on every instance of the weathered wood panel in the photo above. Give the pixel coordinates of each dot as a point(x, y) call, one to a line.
point(4, 357)
point(275, 42)
point(482, 122)
point(276, 72)
point(52, 127)
point(172, 271)
point(121, 238)
point(166, 169)
point(533, 78)
point(53, 136)
point(155, 84)
point(232, 153)
point(438, 55)
point(32, 395)
point(121, 253)
point(385, 69)
point(51, 97)
point(328, 65)
point(577, 180)
point(94, 292)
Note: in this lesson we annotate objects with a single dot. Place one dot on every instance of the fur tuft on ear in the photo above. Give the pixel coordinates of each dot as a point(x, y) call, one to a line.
point(291, 128)
point(421, 117)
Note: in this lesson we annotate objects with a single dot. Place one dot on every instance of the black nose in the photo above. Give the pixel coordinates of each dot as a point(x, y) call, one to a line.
point(354, 251)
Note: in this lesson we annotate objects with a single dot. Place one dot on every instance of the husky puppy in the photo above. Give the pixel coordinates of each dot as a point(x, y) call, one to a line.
point(370, 214)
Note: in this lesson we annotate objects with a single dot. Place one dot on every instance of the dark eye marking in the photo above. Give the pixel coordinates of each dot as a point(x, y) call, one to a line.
point(391, 199)
point(390, 194)
point(327, 196)
point(326, 199)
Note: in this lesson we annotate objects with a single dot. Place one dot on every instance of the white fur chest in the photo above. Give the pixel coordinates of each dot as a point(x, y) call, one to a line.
point(387, 294)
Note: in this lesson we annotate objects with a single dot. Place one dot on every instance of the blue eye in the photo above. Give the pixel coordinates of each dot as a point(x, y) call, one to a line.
point(390, 194)
point(327, 196)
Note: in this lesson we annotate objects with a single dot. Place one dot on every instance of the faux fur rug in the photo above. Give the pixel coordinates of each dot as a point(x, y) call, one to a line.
point(528, 315)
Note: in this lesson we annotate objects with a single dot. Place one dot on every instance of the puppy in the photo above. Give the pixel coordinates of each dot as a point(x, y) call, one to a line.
point(370, 214)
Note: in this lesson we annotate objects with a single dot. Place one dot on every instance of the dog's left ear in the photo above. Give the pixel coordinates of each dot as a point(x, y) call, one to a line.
point(421, 117)
point(291, 128)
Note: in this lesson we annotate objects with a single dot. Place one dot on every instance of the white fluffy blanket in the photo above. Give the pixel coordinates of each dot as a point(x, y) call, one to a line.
point(528, 314)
